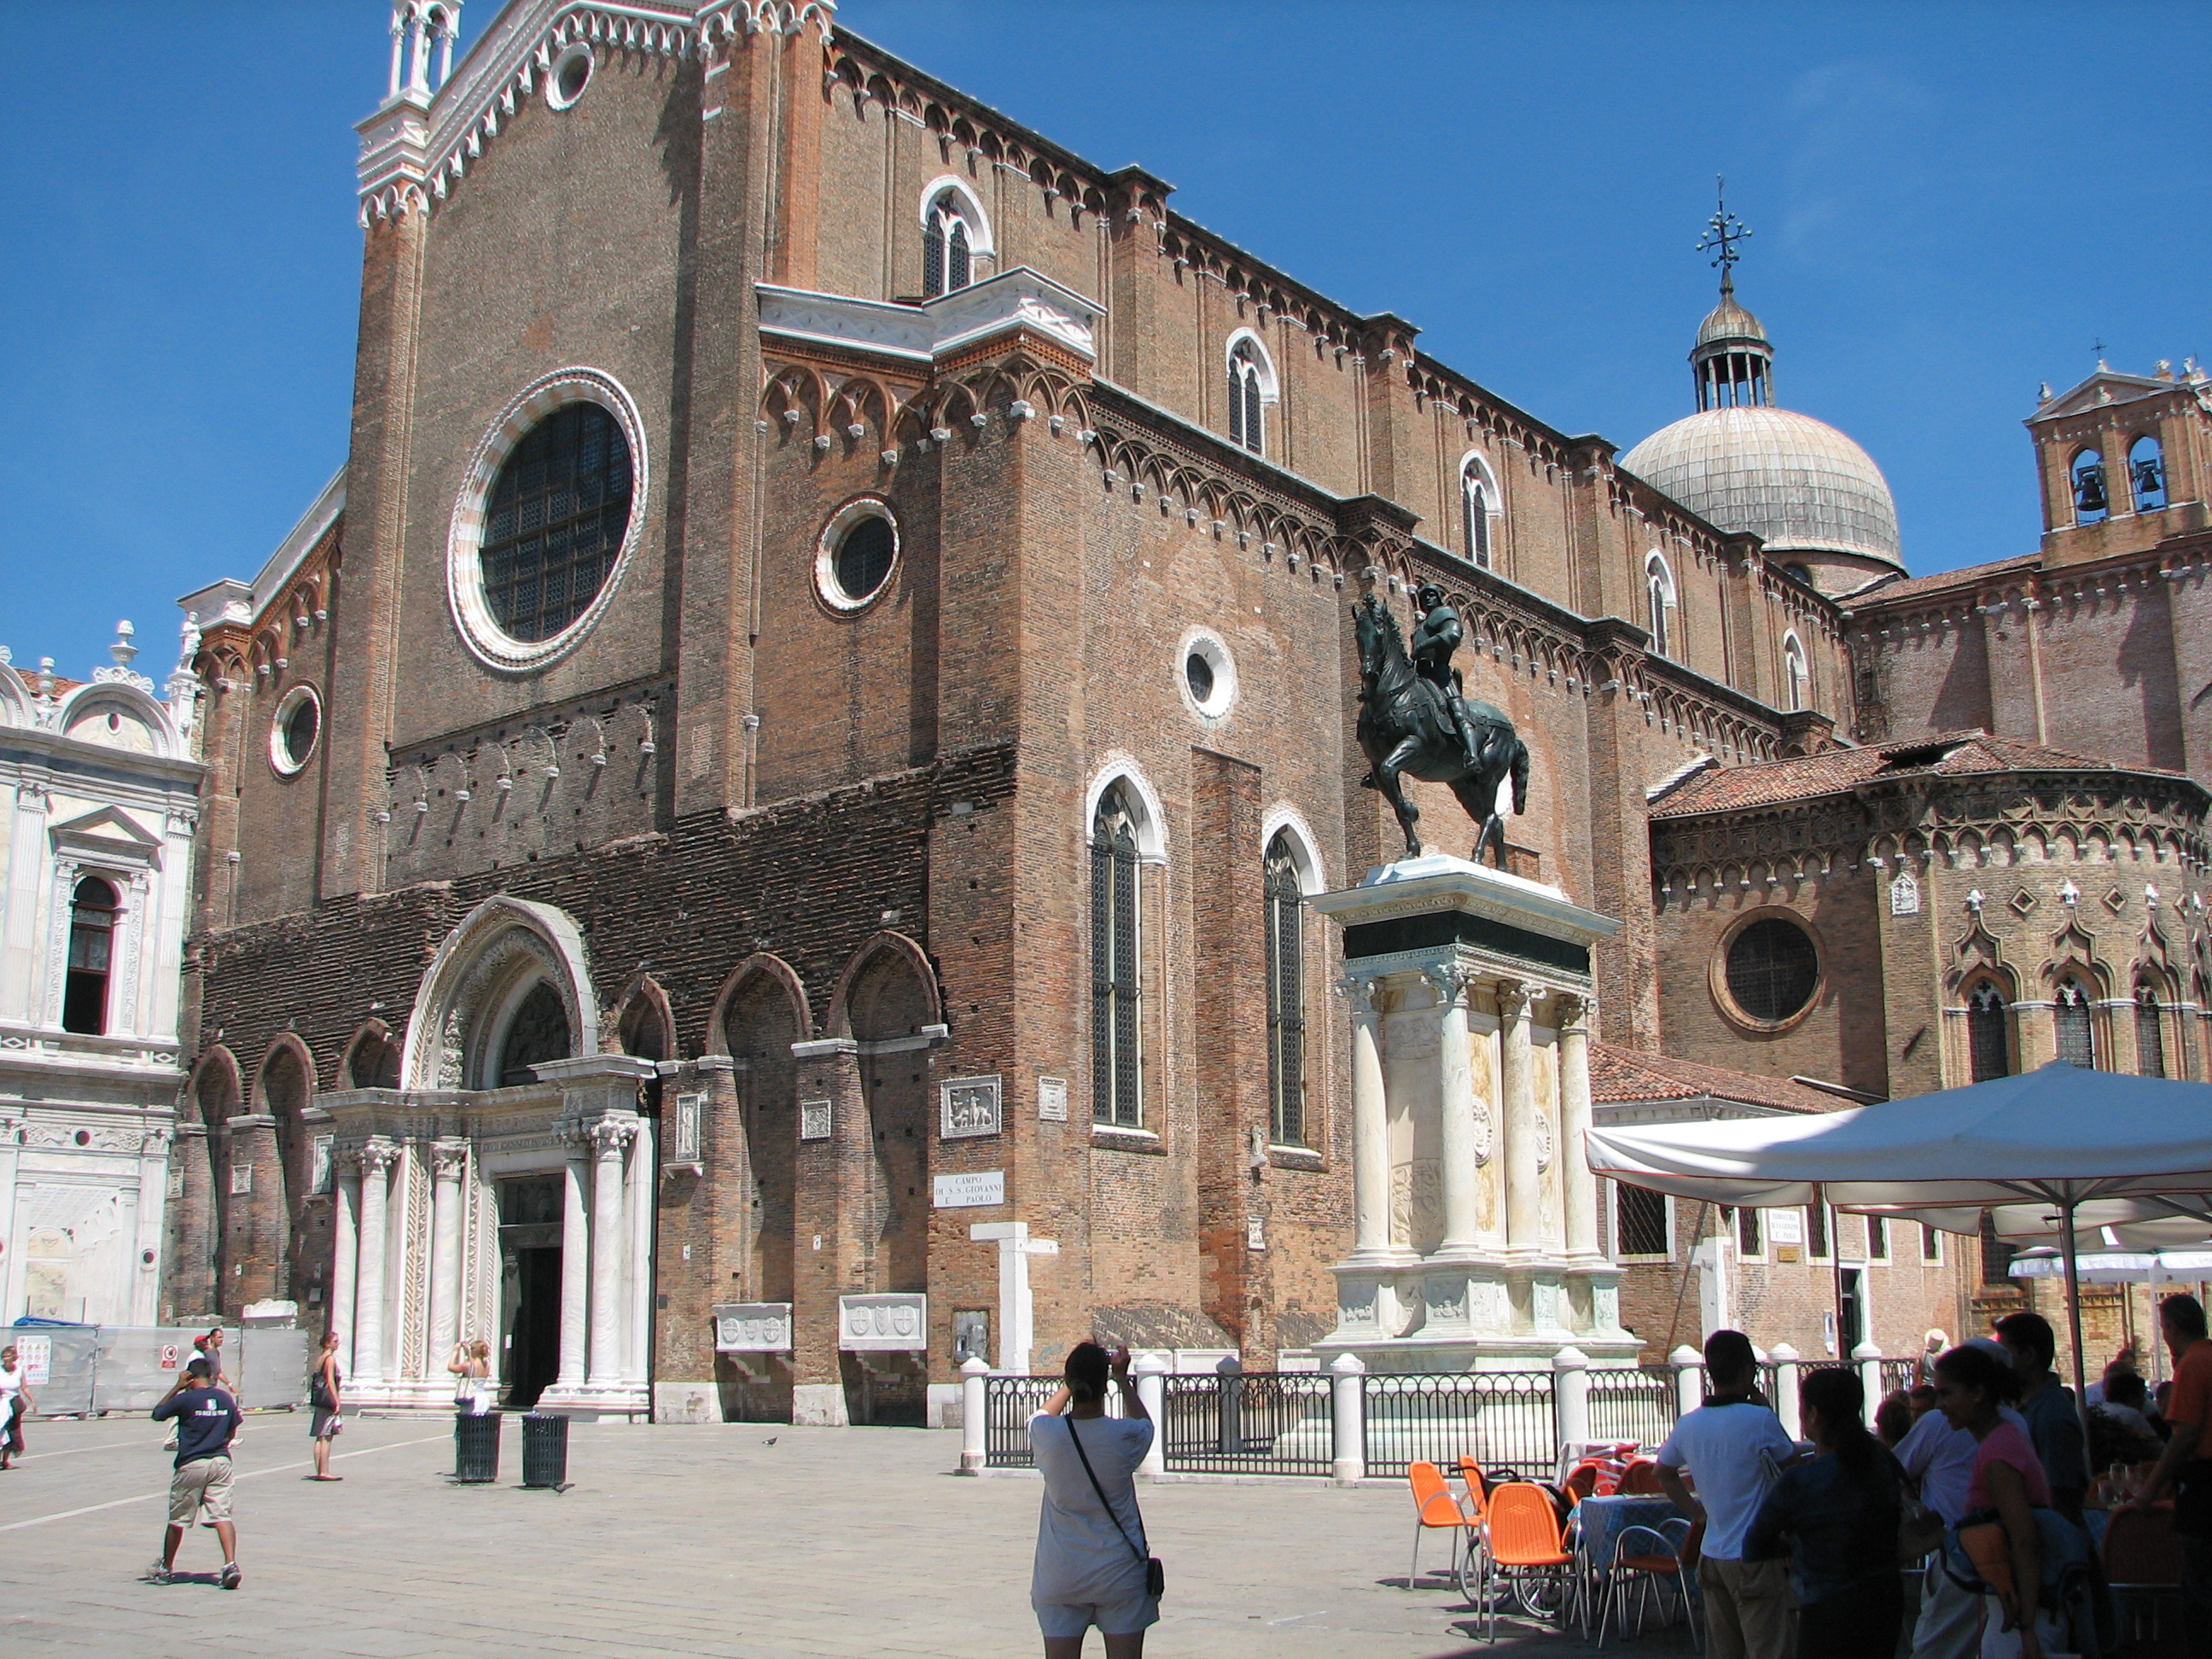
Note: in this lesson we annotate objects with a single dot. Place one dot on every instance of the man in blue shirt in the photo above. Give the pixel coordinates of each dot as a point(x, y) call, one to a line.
point(2054, 1422)
point(207, 1422)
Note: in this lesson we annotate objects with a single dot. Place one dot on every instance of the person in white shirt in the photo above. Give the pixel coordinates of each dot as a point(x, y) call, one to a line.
point(1091, 1558)
point(1731, 1447)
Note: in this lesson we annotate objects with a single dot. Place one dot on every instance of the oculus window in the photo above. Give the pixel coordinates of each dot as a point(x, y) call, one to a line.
point(555, 522)
point(1772, 969)
point(856, 554)
point(294, 731)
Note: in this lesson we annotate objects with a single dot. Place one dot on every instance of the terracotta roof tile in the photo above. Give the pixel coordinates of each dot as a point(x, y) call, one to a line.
point(1833, 771)
point(1619, 1076)
point(1914, 587)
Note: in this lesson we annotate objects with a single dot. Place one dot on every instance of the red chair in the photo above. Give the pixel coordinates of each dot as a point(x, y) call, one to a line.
point(1437, 1511)
point(1581, 1482)
point(1641, 1478)
point(1524, 1549)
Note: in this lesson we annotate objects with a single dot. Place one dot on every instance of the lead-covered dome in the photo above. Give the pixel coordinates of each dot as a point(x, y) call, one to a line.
point(1797, 483)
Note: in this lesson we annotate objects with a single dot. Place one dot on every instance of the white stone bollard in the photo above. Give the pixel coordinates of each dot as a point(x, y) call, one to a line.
point(1786, 1380)
point(1570, 1395)
point(1869, 1363)
point(1231, 1401)
point(1146, 1371)
point(1689, 1385)
point(974, 1411)
point(1347, 1402)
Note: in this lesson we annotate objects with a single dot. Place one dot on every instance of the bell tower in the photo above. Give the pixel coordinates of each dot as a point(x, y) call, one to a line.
point(2125, 461)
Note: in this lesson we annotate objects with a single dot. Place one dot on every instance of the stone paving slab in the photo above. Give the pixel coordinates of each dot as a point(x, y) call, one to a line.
point(754, 1541)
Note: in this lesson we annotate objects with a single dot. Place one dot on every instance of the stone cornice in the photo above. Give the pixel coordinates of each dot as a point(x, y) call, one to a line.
point(1019, 300)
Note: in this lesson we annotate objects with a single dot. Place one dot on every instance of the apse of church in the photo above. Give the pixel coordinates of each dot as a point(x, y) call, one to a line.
point(833, 684)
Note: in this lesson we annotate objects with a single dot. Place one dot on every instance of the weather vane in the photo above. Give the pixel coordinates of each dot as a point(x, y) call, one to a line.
point(1724, 231)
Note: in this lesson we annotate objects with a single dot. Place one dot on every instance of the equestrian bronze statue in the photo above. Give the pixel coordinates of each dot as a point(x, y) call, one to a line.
point(1415, 722)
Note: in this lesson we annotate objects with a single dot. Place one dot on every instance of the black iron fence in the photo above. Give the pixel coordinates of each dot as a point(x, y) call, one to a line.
point(1642, 1404)
point(1500, 1419)
point(1009, 1402)
point(1266, 1423)
point(1898, 1374)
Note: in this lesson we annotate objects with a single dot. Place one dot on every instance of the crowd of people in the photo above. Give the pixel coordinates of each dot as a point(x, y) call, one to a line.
point(1981, 1473)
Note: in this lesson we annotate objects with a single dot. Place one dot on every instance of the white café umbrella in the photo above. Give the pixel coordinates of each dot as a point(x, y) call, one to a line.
point(2054, 1140)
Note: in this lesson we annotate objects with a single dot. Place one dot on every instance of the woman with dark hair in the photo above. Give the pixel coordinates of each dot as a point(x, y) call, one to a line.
point(2007, 1487)
point(1091, 1559)
point(1835, 1515)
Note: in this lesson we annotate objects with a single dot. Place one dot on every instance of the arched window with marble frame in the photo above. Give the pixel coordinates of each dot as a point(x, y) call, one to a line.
point(1253, 390)
point(954, 233)
point(1660, 603)
point(1481, 509)
point(1796, 674)
point(1124, 833)
point(507, 991)
point(1297, 1049)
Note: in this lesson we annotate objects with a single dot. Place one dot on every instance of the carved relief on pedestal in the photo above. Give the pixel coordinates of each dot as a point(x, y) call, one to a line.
point(1417, 1200)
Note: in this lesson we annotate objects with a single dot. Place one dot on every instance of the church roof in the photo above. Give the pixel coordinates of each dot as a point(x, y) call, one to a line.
point(1796, 483)
point(1971, 575)
point(1834, 771)
point(1623, 1076)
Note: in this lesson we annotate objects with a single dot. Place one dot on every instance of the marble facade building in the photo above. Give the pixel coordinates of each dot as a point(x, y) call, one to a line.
point(99, 815)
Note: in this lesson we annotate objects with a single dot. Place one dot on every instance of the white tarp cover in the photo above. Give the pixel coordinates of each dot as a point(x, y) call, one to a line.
point(2057, 1134)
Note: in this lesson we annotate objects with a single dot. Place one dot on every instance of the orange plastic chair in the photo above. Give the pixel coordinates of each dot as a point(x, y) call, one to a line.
point(1642, 1478)
point(1644, 1557)
point(1436, 1510)
point(1524, 1542)
point(2142, 1562)
point(1581, 1481)
point(1478, 1489)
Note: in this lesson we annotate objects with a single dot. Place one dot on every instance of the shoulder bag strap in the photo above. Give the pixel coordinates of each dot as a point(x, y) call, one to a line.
point(1101, 1491)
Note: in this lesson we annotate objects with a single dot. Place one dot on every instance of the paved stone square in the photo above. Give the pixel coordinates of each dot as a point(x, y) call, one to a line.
point(758, 1541)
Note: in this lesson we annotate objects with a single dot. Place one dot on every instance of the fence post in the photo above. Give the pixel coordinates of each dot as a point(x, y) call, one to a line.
point(1785, 1387)
point(1347, 1402)
point(1231, 1401)
point(1570, 1396)
point(1869, 1360)
point(1689, 1385)
point(975, 1412)
point(1147, 1372)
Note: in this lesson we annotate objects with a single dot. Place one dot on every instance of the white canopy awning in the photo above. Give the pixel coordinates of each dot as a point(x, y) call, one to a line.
point(2057, 1135)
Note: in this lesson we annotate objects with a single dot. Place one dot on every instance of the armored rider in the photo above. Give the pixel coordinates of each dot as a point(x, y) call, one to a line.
point(1435, 636)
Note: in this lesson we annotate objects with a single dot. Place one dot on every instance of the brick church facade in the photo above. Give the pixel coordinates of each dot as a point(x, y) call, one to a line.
point(782, 777)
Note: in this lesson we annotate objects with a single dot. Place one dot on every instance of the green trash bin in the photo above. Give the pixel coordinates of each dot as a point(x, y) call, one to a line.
point(475, 1446)
point(545, 1449)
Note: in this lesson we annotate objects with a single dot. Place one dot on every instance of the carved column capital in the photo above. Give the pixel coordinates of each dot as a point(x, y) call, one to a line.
point(1450, 979)
point(1366, 995)
point(1513, 999)
point(1571, 1012)
point(377, 1156)
point(608, 1137)
point(449, 1159)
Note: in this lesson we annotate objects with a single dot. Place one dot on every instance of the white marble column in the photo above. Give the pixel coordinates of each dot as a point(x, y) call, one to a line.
point(1455, 1076)
point(345, 1259)
point(1525, 1200)
point(638, 1199)
point(1577, 1185)
point(1370, 1124)
point(449, 1160)
point(377, 1158)
point(575, 1266)
point(610, 1137)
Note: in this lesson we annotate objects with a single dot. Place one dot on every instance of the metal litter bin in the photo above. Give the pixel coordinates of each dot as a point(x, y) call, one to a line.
point(545, 1449)
point(475, 1446)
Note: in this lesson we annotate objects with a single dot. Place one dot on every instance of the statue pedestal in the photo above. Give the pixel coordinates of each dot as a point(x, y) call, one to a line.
point(1478, 1238)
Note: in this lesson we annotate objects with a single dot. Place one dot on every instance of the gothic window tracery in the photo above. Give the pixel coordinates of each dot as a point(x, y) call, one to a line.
point(1479, 502)
point(1795, 675)
point(2150, 1033)
point(2077, 1042)
point(1246, 423)
point(1659, 587)
point(538, 1032)
point(948, 245)
point(1989, 1049)
point(1286, 1024)
point(1116, 957)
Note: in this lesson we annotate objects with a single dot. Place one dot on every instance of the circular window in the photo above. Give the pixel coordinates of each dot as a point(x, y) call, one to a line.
point(1208, 677)
point(572, 73)
point(293, 732)
point(548, 520)
point(859, 548)
point(1773, 969)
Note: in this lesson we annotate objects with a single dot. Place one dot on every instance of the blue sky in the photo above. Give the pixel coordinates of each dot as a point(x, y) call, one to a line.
point(1951, 204)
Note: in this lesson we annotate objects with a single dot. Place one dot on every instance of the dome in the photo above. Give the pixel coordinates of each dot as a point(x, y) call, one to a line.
point(1728, 321)
point(1796, 483)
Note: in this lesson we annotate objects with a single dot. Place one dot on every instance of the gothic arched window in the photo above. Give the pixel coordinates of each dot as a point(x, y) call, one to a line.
point(1286, 979)
point(1659, 586)
point(1246, 426)
point(1989, 1049)
point(1479, 503)
point(91, 948)
point(2146, 473)
point(2077, 1042)
point(538, 1032)
point(948, 245)
point(2086, 474)
point(1115, 956)
point(1795, 677)
point(2150, 1033)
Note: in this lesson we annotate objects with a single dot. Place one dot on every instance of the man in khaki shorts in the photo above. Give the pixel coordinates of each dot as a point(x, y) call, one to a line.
point(207, 1422)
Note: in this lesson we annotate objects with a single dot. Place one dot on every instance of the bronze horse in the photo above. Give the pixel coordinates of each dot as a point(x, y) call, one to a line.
point(1405, 728)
